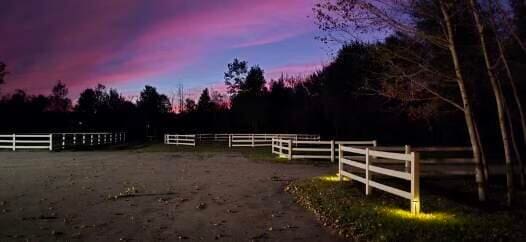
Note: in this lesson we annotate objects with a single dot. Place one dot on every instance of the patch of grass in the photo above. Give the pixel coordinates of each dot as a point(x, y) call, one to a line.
point(383, 217)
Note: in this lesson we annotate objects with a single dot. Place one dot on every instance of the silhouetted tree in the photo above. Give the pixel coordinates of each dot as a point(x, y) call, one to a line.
point(87, 102)
point(254, 83)
point(204, 104)
point(153, 103)
point(235, 76)
point(58, 101)
point(190, 106)
point(3, 72)
point(219, 101)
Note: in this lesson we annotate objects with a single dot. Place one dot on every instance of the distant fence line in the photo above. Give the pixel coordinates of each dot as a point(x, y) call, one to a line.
point(55, 141)
point(72, 140)
point(180, 139)
point(312, 149)
point(234, 139)
point(212, 137)
point(265, 140)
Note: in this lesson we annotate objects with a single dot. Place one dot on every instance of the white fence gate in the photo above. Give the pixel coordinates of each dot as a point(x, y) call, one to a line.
point(305, 149)
point(364, 159)
point(180, 139)
point(26, 141)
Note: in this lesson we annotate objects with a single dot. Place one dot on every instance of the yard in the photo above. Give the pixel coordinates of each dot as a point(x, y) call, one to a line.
point(160, 192)
point(153, 193)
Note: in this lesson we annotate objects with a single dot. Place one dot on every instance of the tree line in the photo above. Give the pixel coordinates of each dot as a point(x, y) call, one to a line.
point(465, 55)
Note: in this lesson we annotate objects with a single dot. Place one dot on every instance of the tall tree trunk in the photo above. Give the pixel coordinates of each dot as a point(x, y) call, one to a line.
point(498, 99)
point(515, 147)
point(516, 98)
point(482, 152)
point(468, 114)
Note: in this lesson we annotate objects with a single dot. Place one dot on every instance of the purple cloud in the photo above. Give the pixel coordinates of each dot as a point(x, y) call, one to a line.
point(118, 41)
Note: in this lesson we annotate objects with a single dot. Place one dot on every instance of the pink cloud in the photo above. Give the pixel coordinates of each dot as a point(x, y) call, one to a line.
point(84, 43)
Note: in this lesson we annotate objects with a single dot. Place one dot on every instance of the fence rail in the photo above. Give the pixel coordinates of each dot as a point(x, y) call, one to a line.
point(309, 149)
point(26, 141)
point(265, 140)
point(453, 160)
point(56, 141)
point(212, 137)
point(364, 159)
point(72, 140)
point(180, 139)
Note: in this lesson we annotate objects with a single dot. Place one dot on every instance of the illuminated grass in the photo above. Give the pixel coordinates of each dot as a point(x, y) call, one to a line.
point(382, 217)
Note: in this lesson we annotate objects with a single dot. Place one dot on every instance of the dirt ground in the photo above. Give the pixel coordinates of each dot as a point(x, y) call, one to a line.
point(151, 196)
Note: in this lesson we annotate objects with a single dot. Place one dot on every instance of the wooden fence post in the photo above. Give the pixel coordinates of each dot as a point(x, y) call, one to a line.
point(332, 150)
point(290, 149)
point(407, 163)
point(91, 140)
point(375, 143)
point(367, 172)
point(14, 142)
point(279, 142)
point(50, 142)
point(340, 164)
point(75, 139)
point(63, 141)
point(415, 183)
point(252, 140)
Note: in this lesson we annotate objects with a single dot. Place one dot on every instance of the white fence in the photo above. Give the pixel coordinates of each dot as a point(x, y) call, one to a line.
point(364, 159)
point(59, 140)
point(305, 149)
point(437, 160)
point(263, 140)
point(180, 139)
point(72, 140)
point(212, 137)
point(26, 141)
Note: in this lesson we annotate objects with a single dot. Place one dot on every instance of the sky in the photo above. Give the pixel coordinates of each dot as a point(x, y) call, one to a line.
point(126, 44)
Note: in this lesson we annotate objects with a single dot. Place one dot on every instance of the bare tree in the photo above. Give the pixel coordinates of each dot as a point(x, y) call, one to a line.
point(496, 16)
point(499, 99)
point(377, 16)
point(180, 96)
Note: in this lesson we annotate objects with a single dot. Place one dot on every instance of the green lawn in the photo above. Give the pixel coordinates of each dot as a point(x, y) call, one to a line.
point(383, 217)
